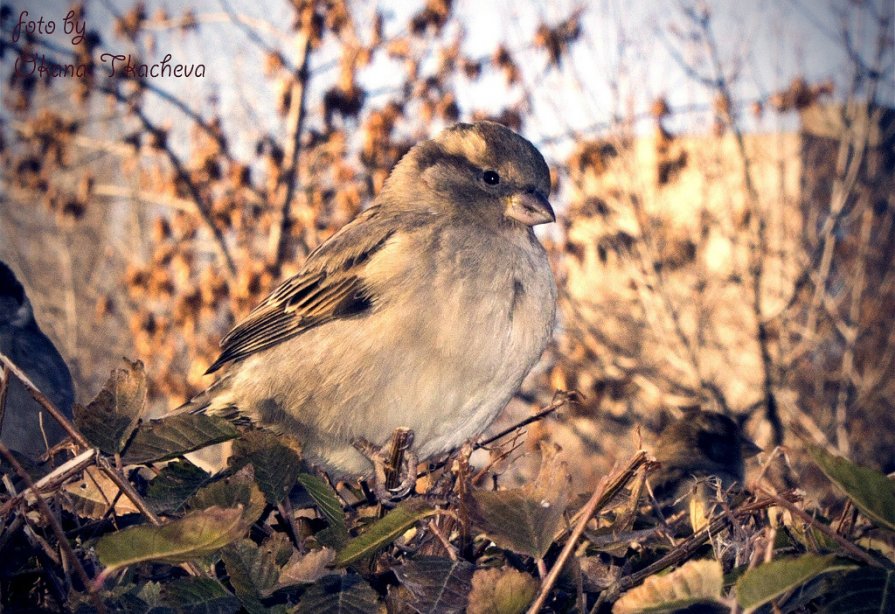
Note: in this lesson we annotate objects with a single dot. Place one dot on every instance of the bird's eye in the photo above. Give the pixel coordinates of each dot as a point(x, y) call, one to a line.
point(491, 177)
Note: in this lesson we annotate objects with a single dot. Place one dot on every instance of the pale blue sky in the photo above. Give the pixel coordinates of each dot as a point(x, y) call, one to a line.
point(623, 60)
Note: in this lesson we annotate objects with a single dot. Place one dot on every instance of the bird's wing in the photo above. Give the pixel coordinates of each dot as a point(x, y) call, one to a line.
point(329, 286)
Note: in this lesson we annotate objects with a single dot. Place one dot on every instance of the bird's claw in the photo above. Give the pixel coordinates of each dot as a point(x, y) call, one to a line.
point(394, 465)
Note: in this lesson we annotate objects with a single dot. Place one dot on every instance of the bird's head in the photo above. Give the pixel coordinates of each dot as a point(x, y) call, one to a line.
point(482, 170)
point(15, 308)
point(706, 441)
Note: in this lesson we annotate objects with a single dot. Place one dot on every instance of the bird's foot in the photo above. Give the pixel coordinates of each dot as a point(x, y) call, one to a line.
point(394, 465)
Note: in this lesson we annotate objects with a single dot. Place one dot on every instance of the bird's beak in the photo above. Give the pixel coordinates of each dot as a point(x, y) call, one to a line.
point(530, 207)
point(749, 448)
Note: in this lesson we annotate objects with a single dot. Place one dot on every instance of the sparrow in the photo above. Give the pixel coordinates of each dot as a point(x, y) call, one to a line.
point(25, 426)
point(697, 453)
point(425, 312)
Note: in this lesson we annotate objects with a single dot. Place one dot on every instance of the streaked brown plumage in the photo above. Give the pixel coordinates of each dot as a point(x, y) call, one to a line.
point(699, 446)
point(426, 311)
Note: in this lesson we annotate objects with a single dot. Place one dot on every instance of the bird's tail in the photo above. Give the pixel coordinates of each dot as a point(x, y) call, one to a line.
point(216, 400)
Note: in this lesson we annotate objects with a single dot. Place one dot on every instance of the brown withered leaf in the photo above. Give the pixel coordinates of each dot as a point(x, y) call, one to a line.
point(525, 519)
point(696, 582)
point(306, 568)
point(109, 420)
point(92, 495)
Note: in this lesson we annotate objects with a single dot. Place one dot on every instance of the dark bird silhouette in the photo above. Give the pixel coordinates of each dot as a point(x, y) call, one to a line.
point(26, 427)
point(694, 452)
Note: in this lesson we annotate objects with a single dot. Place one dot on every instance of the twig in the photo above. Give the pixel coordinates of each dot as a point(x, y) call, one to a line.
point(550, 580)
point(57, 528)
point(402, 439)
point(846, 545)
point(40, 542)
point(475, 479)
point(277, 240)
point(50, 481)
point(451, 551)
point(44, 402)
point(128, 489)
point(562, 397)
point(603, 493)
point(101, 462)
point(684, 550)
point(617, 481)
point(4, 387)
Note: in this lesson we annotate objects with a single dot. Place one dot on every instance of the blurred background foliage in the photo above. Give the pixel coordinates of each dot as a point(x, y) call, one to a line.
point(723, 176)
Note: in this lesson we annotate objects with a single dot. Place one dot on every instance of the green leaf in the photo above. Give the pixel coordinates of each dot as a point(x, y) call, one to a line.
point(696, 582)
point(252, 573)
point(762, 584)
point(109, 420)
point(199, 596)
point(177, 482)
point(863, 591)
point(329, 505)
point(437, 584)
point(871, 491)
point(501, 591)
point(525, 519)
point(151, 594)
point(196, 534)
point(346, 594)
point(238, 489)
point(276, 464)
point(385, 530)
point(176, 435)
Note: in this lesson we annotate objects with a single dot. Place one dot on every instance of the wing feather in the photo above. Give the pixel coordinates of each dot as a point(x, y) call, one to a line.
point(329, 286)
